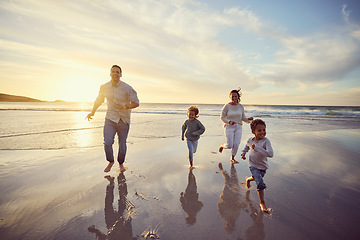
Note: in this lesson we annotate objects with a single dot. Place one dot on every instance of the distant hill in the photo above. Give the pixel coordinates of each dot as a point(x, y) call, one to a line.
point(13, 98)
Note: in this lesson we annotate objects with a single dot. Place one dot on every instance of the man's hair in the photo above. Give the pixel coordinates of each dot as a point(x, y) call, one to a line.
point(195, 110)
point(256, 122)
point(117, 67)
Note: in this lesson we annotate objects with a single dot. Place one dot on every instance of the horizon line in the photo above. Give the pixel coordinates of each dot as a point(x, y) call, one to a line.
point(249, 104)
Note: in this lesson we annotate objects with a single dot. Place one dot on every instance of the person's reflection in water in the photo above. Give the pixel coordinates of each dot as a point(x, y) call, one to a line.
point(118, 222)
point(257, 230)
point(190, 199)
point(230, 202)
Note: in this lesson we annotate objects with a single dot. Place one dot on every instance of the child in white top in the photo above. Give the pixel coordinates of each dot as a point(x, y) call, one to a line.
point(261, 149)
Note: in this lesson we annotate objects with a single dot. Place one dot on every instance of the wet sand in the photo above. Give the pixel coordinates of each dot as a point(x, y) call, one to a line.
point(313, 191)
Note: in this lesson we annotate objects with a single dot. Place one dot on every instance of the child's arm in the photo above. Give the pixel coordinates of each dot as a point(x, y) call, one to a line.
point(245, 150)
point(201, 129)
point(267, 151)
point(183, 128)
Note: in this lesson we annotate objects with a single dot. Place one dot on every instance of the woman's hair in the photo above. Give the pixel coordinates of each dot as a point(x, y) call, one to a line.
point(195, 110)
point(256, 122)
point(117, 67)
point(238, 92)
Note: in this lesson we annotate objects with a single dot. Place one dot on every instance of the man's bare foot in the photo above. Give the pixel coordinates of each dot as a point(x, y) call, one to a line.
point(122, 168)
point(221, 149)
point(263, 207)
point(108, 168)
point(248, 182)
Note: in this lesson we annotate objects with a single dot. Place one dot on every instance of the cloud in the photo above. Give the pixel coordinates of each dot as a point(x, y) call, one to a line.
point(353, 28)
point(170, 34)
point(170, 46)
point(244, 18)
point(345, 13)
point(323, 57)
point(338, 97)
point(167, 45)
point(356, 34)
point(315, 59)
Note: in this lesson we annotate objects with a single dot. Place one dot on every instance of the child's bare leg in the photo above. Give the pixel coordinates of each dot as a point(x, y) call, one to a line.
point(248, 180)
point(108, 167)
point(191, 164)
point(122, 168)
point(263, 207)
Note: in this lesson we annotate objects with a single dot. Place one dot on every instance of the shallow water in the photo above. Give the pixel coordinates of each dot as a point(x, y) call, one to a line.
point(312, 181)
point(63, 125)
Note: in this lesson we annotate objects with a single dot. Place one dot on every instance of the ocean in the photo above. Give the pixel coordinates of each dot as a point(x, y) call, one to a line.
point(62, 125)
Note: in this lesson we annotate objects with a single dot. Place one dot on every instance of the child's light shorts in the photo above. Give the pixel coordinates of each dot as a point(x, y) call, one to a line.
point(258, 175)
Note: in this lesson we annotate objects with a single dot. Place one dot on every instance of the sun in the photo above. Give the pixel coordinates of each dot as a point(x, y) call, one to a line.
point(80, 88)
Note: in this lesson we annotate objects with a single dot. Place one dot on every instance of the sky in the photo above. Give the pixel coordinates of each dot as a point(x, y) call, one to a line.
point(184, 51)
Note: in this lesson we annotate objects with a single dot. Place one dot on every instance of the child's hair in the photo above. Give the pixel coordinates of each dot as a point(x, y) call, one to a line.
point(237, 91)
point(256, 122)
point(195, 110)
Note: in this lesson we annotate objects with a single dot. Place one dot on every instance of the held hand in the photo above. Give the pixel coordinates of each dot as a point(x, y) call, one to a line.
point(251, 118)
point(89, 116)
point(253, 146)
point(231, 123)
point(182, 139)
point(243, 156)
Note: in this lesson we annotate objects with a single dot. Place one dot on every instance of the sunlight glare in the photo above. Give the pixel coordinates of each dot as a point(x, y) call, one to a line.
point(80, 88)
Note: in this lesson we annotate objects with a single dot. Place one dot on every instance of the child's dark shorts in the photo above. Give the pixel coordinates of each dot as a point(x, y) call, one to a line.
point(258, 175)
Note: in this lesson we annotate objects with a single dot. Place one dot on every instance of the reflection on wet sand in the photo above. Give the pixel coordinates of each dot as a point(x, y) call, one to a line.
point(256, 231)
point(190, 199)
point(231, 203)
point(118, 222)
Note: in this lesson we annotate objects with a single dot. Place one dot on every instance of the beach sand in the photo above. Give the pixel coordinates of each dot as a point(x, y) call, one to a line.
point(313, 191)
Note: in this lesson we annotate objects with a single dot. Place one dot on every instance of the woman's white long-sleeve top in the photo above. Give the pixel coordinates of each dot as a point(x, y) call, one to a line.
point(235, 113)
